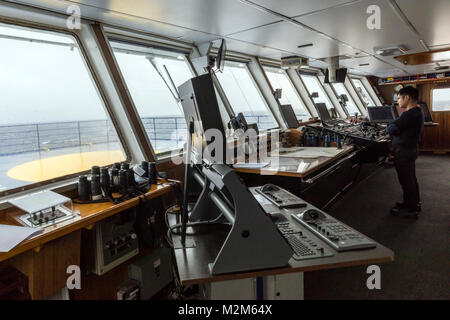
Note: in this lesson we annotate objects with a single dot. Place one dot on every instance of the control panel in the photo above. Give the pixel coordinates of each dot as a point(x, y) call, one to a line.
point(115, 241)
point(311, 222)
point(280, 197)
point(340, 236)
point(47, 217)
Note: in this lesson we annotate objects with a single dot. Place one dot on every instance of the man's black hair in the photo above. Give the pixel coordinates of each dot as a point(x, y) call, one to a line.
point(411, 92)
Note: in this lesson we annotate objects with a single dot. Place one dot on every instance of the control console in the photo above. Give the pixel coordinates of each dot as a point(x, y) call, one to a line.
point(317, 223)
point(280, 197)
point(340, 236)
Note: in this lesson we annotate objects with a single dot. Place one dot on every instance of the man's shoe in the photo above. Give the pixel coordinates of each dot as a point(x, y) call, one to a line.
point(401, 205)
point(405, 213)
point(396, 209)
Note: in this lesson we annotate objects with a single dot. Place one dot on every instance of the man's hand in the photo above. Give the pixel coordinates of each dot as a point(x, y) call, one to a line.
point(290, 137)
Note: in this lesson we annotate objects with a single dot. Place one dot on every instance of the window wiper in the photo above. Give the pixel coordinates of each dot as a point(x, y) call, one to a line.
point(175, 95)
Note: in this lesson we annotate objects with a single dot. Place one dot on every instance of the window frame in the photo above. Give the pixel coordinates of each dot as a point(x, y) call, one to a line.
point(315, 75)
point(353, 77)
point(258, 89)
point(299, 96)
point(348, 96)
point(432, 101)
point(102, 96)
point(138, 42)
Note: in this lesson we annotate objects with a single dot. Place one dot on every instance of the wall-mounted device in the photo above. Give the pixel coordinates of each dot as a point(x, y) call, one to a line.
point(114, 241)
point(333, 73)
point(238, 122)
point(294, 62)
point(277, 93)
point(153, 272)
point(211, 58)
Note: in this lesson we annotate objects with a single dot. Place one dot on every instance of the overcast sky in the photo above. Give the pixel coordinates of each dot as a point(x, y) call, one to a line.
point(50, 83)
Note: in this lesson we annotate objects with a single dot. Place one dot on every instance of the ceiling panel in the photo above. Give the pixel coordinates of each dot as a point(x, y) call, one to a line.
point(287, 36)
point(349, 24)
point(430, 18)
point(375, 66)
point(121, 20)
point(293, 8)
point(213, 16)
point(254, 50)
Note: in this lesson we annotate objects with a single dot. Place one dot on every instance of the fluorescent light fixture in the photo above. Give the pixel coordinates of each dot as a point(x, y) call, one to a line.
point(424, 45)
point(305, 45)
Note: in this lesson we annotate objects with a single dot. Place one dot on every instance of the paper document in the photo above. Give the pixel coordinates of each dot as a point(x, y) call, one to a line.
point(253, 165)
point(11, 236)
point(289, 149)
point(313, 152)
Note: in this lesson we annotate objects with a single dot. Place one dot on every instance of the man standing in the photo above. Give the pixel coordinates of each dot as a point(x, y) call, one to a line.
point(405, 132)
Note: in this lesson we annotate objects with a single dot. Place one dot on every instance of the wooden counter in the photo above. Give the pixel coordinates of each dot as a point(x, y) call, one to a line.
point(89, 214)
point(298, 167)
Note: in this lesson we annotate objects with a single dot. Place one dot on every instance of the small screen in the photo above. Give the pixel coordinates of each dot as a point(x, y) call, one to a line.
point(323, 112)
point(381, 114)
point(289, 116)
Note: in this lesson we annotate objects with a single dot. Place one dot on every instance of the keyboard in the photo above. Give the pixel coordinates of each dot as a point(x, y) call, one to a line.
point(302, 245)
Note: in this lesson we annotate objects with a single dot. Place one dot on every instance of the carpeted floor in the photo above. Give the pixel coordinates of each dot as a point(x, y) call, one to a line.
point(422, 247)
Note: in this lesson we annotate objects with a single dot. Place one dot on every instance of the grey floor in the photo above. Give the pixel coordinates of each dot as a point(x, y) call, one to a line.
point(422, 247)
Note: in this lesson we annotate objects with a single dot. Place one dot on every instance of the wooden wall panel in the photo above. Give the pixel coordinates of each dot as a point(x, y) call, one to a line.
point(435, 138)
point(46, 269)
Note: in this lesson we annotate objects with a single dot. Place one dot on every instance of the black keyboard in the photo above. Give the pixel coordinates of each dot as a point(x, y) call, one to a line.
point(302, 245)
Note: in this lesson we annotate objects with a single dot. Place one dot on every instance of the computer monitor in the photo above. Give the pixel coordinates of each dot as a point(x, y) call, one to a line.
point(201, 109)
point(381, 114)
point(289, 116)
point(323, 111)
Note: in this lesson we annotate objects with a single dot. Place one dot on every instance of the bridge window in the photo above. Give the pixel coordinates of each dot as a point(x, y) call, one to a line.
point(362, 91)
point(53, 122)
point(152, 77)
point(244, 96)
point(280, 80)
point(350, 104)
point(312, 84)
point(441, 99)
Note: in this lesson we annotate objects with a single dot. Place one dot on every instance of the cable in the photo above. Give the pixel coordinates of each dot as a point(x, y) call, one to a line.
point(171, 228)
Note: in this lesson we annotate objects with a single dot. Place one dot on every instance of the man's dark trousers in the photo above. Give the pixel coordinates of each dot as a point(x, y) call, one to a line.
point(405, 164)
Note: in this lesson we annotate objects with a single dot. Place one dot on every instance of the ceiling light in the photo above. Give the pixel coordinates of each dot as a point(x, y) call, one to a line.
point(305, 45)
